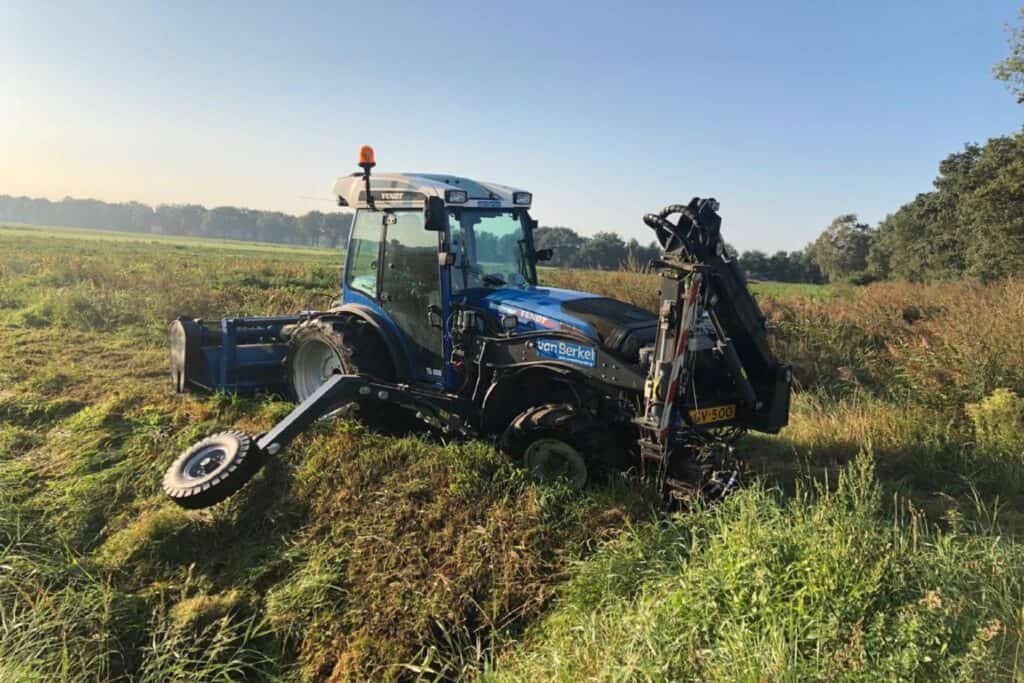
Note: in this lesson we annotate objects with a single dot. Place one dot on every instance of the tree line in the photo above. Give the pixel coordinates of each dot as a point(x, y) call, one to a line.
point(605, 250)
point(224, 222)
point(970, 225)
point(609, 251)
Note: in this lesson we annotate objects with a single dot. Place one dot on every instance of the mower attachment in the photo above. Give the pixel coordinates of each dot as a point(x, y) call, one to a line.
point(240, 355)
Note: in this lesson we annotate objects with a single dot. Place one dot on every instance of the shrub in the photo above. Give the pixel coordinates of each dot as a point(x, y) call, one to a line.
point(999, 421)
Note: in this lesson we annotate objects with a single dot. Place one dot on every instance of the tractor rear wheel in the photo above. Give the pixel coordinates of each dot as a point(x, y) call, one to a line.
point(212, 470)
point(558, 441)
point(323, 347)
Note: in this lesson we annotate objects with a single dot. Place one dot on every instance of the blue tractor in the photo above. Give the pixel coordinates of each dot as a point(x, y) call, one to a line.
point(442, 321)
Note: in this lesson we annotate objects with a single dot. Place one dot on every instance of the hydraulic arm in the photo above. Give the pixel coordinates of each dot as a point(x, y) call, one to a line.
point(701, 286)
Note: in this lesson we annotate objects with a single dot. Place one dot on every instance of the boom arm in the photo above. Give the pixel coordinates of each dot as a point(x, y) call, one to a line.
point(697, 274)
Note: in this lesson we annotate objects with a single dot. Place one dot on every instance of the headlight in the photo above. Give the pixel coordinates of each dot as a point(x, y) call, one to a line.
point(455, 196)
point(522, 198)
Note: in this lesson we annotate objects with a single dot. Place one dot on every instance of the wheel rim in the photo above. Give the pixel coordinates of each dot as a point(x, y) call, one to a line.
point(314, 363)
point(204, 463)
point(552, 459)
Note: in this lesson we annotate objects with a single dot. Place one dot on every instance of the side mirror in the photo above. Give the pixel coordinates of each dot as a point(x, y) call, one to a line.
point(544, 254)
point(435, 218)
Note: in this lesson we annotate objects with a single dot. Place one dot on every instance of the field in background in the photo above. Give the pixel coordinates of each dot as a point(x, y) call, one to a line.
point(13, 230)
point(879, 538)
point(580, 279)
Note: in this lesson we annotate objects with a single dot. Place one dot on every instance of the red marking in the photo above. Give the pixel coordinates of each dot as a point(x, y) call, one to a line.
point(677, 361)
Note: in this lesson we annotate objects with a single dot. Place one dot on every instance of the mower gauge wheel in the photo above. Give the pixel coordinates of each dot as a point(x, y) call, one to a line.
point(212, 470)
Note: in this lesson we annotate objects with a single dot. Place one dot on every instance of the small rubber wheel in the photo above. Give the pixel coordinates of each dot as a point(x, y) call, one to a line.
point(557, 441)
point(212, 470)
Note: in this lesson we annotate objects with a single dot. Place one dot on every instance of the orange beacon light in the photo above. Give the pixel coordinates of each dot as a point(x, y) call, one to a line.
point(366, 160)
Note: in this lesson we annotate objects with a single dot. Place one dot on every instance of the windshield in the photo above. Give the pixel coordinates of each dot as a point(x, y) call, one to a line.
point(491, 248)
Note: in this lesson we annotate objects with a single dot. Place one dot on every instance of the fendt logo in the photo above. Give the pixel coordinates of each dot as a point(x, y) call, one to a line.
point(568, 352)
point(392, 196)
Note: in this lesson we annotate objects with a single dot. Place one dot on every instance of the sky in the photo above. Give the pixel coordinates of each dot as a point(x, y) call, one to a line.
point(789, 113)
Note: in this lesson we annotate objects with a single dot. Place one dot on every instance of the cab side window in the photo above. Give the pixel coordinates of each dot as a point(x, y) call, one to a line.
point(365, 251)
point(411, 284)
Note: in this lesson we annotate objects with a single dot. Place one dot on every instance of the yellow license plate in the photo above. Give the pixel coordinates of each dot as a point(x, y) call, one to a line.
point(703, 416)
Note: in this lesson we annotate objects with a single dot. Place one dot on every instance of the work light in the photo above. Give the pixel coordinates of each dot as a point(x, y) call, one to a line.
point(455, 196)
point(522, 198)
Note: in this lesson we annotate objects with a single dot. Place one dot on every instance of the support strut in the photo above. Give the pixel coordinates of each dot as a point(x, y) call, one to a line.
point(329, 395)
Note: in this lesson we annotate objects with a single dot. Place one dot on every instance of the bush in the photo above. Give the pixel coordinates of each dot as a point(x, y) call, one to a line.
point(999, 421)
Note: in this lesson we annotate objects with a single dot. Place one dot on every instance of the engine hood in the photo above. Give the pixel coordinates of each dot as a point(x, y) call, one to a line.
point(619, 327)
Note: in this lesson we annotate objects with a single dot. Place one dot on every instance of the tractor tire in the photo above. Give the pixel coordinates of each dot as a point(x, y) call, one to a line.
point(558, 441)
point(212, 470)
point(323, 347)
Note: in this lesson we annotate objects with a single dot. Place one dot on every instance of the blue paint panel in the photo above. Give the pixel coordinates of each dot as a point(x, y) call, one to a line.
point(567, 352)
point(537, 308)
point(253, 367)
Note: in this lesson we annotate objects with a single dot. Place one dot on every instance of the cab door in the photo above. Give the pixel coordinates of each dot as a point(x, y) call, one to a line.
point(410, 285)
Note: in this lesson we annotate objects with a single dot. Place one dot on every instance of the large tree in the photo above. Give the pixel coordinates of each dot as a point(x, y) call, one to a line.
point(605, 250)
point(564, 243)
point(1011, 69)
point(311, 225)
point(841, 251)
point(993, 211)
point(971, 224)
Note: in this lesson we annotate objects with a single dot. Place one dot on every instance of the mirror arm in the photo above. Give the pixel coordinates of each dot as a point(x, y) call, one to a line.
point(435, 218)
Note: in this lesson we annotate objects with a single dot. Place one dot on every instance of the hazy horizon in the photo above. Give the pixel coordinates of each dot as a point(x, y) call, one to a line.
point(789, 115)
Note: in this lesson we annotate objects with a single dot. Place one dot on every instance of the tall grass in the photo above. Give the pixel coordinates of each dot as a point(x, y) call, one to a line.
point(821, 585)
point(358, 556)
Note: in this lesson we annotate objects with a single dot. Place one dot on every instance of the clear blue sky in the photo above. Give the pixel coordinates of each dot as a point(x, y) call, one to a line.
point(788, 113)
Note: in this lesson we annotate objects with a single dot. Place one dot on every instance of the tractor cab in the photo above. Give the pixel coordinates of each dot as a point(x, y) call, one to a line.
point(421, 243)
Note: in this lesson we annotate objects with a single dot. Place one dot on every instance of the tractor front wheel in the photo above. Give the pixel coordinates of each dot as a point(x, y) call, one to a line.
point(212, 470)
point(557, 441)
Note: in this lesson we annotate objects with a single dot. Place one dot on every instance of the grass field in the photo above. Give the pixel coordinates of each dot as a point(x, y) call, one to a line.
point(880, 536)
point(202, 243)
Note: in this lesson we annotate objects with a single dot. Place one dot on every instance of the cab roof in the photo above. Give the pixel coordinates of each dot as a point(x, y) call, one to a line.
point(411, 189)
